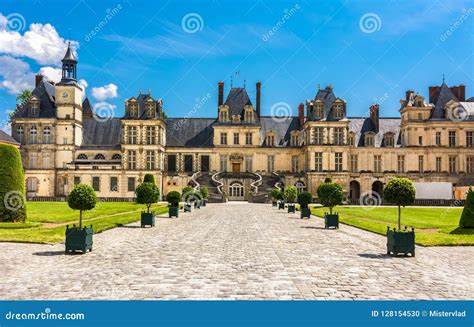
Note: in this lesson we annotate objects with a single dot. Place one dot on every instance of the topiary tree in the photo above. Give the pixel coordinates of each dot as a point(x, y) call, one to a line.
point(400, 191)
point(276, 194)
point(173, 198)
point(12, 185)
point(149, 178)
point(467, 216)
point(147, 194)
point(330, 194)
point(304, 198)
point(204, 192)
point(328, 179)
point(82, 198)
point(290, 194)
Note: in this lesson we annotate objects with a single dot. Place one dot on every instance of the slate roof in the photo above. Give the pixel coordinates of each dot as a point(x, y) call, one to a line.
point(236, 100)
point(45, 91)
point(362, 125)
point(440, 98)
point(105, 133)
point(328, 97)
point(189, 132)
point(282, 126)
point(5, 138)
point(69, 56)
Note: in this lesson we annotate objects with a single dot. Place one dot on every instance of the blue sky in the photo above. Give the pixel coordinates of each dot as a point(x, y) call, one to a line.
point(147, 45)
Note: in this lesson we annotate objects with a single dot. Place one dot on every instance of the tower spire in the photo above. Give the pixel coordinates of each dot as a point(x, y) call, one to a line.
point(69, 65)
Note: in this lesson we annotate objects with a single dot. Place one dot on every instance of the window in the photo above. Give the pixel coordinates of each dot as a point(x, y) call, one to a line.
point(20, 133)
point(388, 140)
point(338, 111)
point(369, 139)
point(171, 163)
point(470, 139)
point(46, 160)
point(150, 135)
point(223, 163)
point(65, 140)
point(352, 138)
point(33, 135)
point(47, 135)
point(223, 138)
point(248, 164)
point(113, 184)
point(96, 183)
point(420, 140)
point(99, 156)
point(82, 156)
point(377, 164)
point(300, 187)
point(354, 163)
point(452, 165)
point(338, 136)
point(271, 164)
point(150, 160)
point(131, 184)
point(319, 111)
point(401, 164)
point(77, 180)
point(470, 165)
point(34, 108)
point(32, 184)
point(116, 156)
point(295, 162)
point(132, 159)
point(205, 163)
point(132, 134)
point(248, 138)
point(318, 161)
point(248, 116)
point(438, 138)
point(421, 164)
point(295, 139)
point(452, 139)
point(319, 136)
point(224, 115)
point(33, 159)
point(271, 140)
point(338, 161)
point(236, 138)
point(188, 163)
point(150, 108)
point(438, 164)
point(133, 109)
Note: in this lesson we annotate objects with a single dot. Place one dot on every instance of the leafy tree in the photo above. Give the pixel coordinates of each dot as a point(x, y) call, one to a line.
point(400, 191)
point(290, 194)
point(82, 198)
point(12, 185)
point(173, 198)
point(204, 192)
point(23, 96)
point(304, 198)
point(467, 216)
point(330, 194)
point(149, 178)
point(147, 194)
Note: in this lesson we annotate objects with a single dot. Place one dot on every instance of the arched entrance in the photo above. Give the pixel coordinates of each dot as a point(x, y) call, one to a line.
point(300, 186)
point(236, 191)
point(354, 191)
point(377, 187)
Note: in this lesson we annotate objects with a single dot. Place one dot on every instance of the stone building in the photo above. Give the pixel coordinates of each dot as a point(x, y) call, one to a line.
point(240, 154)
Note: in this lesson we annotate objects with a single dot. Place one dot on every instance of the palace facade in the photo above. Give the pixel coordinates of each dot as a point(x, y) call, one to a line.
point(240, 154)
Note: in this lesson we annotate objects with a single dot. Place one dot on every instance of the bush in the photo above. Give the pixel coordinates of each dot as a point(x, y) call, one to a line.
point(304, 199)
point(149, 178)
point(328, 179)
point(12, 185)
point(173, 198)
point(400, 191)
point(147, 194)
point(330, 194)
point(276, 194)
point(290, 194)
point(82, 198)
point(204, 192)
point(467, 216)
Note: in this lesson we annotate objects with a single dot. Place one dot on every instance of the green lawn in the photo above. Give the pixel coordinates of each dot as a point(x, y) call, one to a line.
point(433, 226)
point(45, 222)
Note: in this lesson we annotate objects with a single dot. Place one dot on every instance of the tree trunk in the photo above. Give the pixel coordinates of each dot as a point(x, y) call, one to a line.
point(80, 219)
point(148, 208)
point(399, 216)
point(330, 210)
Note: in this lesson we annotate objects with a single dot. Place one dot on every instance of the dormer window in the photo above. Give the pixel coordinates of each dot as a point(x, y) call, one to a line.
point(224, 115)
point(295, 139)
point(270, 139)
point(338, 110)
point(369, 139)
point(352, 139)
point(133, 109)
point(34, 106)
point(248, 116)
point(150, 108)
point(319, 111)
point(388, 140)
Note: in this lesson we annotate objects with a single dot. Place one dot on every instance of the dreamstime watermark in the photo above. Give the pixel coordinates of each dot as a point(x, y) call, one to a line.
point(465, 15)
point(46, 315)
point(192, 23)
point(199, 102)
point(14, 201)
point(15, 22)
point(280, 111)
point(103, 111)
point(109, 15)
point(370, 23)
point(192, 196)
point(458, 114)
point(370, 200)
point(287, 14)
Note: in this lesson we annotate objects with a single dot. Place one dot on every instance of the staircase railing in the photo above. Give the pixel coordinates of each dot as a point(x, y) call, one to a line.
point(279, 183)
point(218, 183)
point(254, 185)
point(194, 178)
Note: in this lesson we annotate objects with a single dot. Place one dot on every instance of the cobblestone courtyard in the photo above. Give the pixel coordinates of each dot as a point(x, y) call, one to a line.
point(235, 251)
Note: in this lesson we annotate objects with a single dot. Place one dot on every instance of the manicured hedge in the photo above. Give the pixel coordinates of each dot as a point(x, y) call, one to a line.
point(12, 185)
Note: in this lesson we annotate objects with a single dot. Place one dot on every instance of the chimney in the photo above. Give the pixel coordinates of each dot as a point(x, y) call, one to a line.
point(459, 91)
point(301, 113)
point(257, 101)
point(38, 79)
point(432, 90)
point(220, 100)
point(374, 116)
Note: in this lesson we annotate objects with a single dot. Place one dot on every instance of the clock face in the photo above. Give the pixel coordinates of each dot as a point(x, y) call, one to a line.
point(65, 94)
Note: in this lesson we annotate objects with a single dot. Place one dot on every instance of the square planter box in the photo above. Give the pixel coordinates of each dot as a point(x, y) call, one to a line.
point(148, 219)
point(79, 239)
point(173, 212)
point(401, 242)
point(305, 212)
point(281, 205)
point(331, 220)
point(204, 202)
point(291, 208)
point(274, 203)
point(187, 207)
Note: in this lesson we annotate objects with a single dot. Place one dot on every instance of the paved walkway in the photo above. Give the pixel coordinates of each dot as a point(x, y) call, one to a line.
point(235, 251)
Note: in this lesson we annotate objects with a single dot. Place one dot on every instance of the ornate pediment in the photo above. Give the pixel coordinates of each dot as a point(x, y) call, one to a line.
point(236, 157)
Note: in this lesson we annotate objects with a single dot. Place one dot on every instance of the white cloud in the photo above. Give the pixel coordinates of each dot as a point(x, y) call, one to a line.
point(52, 74)
point(83, 83)
point(16, 75)
point(41, 43)
point(105, 92)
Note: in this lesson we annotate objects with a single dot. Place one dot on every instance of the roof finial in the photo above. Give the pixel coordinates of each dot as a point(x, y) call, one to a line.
point(319, 86)
point(231, 81)
point(443, 78)
point(244, 83)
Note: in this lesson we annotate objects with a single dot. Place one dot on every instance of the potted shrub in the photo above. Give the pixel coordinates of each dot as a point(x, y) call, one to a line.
point(147, 193)
point(330, 195)
point(275, 194)
point(467, 216)
point(173, 198)
point(81, 198)
point(304, 199)
point(400, 191)
point(205, 194)
point(290, 195)
point(188, 195)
